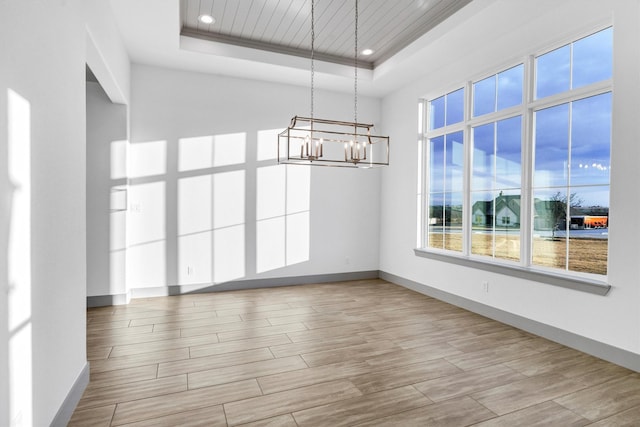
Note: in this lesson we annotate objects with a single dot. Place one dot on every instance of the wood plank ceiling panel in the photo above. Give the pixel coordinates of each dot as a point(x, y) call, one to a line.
point(284, 26)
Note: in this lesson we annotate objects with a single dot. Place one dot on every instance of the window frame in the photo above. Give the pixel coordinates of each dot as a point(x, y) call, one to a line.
point(524, 268)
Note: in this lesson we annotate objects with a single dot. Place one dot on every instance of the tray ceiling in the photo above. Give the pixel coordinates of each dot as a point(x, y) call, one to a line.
point(284, 26)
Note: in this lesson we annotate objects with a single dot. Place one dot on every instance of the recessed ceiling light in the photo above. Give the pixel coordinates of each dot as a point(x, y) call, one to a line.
point(206, 19)
point(367, 52)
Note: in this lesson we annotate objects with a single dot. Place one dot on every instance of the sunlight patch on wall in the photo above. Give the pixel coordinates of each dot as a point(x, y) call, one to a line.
point(146, 235)
point(268, 144)
point(229, 149)
point(19, 262)
point(195, 153)
point(228, 199)
point(282, 216)
point(228, 224)
point(147, 159)
point(195, 229)
point(228, 253)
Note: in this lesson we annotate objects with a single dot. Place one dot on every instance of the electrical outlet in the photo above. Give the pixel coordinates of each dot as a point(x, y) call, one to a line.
point(347, 260)
point(189, 271)
point(485, 286)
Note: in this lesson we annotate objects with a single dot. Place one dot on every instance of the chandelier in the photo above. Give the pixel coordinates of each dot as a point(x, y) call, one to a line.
point(322, 142)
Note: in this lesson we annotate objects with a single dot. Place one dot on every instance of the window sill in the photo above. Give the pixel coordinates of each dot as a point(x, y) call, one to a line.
point(578, 284)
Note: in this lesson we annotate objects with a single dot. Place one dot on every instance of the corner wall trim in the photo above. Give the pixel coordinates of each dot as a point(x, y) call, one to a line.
point(73, 397)
point(595, 348)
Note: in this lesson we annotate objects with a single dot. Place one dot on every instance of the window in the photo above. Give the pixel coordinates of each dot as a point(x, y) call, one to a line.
point(524, 179)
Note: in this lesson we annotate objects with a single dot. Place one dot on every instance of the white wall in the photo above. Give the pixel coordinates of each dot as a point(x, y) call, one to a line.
point(42, 169)
point(208, 202)
point(504, 32)
point(106, 193)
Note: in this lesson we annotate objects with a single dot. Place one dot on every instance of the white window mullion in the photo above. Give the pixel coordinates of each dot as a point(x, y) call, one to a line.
point(467, 210)
point(526, 193)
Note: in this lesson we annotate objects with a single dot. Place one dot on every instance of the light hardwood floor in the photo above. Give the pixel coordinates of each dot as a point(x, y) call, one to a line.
point(363, 353)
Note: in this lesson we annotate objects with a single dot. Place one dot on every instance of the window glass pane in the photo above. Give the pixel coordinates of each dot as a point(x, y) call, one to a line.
point(591, 140)
point(553, 72)
point(454, 163)
point(510, 87)
point(455, 107)
point(435, 226)
point(436, 113)
point(483, 157)
point(482, 222)
point(436, 164)
point(496, 224)
point(484, 96)
point(588, 229)
point(551, 146)
point(453, 222)
point(593, 58)
point(508, 153)
point(549, 244)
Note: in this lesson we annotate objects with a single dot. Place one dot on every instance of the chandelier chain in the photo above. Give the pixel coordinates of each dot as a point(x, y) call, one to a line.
point(313, 40)
point(355, 68)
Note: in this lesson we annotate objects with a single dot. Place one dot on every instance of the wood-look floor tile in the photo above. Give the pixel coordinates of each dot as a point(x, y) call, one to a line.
point(168, 344)
point(94, 417)
point(491, 340)
point(567, 361)
point(330, 320)
point(348, 329)
point(353, 352)
point(97, 352)
point(520, 394)
point(210, 362)
point(142, 359)
point(224, 327)
point(434, 337)
point(134, 338)
point(279, 421)
point(628, 418)
point(175, 318)
point(285, 402)
point(399, 376)
point(211, 416)
point(604, 400)
point(491, 356)
point(256, 308)
point(310, 376)
point(243, 334)
point(468, 382)
point(118, 332)
point(247, 342)
point(207, 321)
point(413, 355)
point(245, 371)
point(314, 346)
point(278, 313)
point(362, 408)
point(397, 333)
point(168, 404)
point(542, 415)
point(462, 411)
point(123, 376)
point(93, 326)
point(102, 396)
point(239, 345)
point(542, 344)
